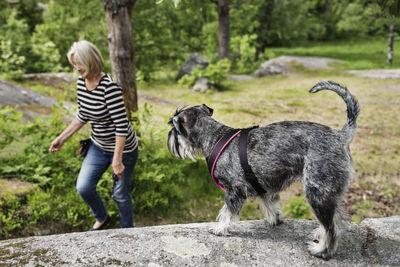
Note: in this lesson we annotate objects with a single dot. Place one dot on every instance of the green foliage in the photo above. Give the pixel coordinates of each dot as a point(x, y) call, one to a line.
point(161, 180)
point(14, 45)
point(30, 12)
point(356, 54)
point(160, 184)
point(216, 73)
point(9, 118)
point(243, 50)
point(362, 19)
point(297, 209)
point(46, 52)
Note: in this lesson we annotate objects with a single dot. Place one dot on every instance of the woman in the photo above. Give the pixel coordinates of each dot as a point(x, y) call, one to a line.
point(114, 141)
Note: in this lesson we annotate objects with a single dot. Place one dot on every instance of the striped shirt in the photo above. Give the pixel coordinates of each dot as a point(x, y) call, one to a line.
point(103, 107)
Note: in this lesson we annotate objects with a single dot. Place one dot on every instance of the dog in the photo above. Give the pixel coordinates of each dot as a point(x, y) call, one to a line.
point(278, 154)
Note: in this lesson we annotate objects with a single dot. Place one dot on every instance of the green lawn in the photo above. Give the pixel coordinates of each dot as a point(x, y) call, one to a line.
point(360, 54)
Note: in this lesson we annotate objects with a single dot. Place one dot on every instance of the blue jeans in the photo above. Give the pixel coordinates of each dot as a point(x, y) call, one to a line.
point(94, 165)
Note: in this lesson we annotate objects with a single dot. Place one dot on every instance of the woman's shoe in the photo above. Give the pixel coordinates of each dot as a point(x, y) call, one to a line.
point(103, 226)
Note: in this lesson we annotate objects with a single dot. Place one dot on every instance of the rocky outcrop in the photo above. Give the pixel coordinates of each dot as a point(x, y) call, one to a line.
point(377, 74)
point(282, 65)
point(52, 79)
point(373, 242)
point(31, 103)
point(190, 65)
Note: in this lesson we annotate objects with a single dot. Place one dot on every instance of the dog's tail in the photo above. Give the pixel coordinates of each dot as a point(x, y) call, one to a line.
point(353, 108)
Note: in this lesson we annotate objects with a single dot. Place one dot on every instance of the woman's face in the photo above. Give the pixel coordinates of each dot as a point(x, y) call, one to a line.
point(78, 67)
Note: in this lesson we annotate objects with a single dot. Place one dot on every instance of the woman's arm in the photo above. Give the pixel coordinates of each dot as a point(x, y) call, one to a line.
point(117, 165)
point(67, 133)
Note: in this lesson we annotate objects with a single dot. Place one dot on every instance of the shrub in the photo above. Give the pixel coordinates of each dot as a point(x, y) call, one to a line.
point(216, 73)
point(244, 50)
point(14, 45)
point(297, 209)
point(160, 181)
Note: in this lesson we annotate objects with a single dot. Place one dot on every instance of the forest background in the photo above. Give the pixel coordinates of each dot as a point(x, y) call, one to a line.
point(36, 35)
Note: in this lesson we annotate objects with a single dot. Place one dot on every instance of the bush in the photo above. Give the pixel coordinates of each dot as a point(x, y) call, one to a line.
point(216, 73)
point(160, 184)
point(14, 45)
point(244, 50)
point(297, 208)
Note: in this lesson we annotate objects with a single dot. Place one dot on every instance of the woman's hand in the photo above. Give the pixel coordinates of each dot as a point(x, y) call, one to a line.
point(56, 144)
point(70, 130)
point(118, 167)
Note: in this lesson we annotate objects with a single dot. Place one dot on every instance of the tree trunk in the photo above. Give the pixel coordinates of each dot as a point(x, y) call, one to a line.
point(122, 50)
point(265, 11)
point(223, 29)
point(390, 45)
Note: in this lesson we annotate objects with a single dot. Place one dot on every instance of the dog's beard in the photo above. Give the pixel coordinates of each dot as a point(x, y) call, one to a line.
point(180, 146)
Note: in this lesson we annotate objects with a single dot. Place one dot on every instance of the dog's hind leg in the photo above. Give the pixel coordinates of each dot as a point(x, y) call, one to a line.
point(234, 200)
point(326, 236)
point(270, 206)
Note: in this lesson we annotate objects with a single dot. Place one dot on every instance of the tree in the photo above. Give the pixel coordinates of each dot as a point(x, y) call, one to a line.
point(122, 50)
point(392, 10)
point(223, 27)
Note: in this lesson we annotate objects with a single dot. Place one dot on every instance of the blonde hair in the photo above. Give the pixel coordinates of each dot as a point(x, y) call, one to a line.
point(88, 56)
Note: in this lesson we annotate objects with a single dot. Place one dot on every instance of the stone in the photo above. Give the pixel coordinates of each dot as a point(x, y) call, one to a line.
point(202, 85)
point(281, 65)
point(31, 103)
point(190, 65)
point(15, 187)
point(52, 79)
point(251, 243)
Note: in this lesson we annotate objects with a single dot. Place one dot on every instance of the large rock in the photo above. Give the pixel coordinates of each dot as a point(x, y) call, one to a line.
point(202, 85)
point(190, 64)
point(282, 64)
point(15, 187)
point(53, 79)
point(31, 103)
point(251, 244)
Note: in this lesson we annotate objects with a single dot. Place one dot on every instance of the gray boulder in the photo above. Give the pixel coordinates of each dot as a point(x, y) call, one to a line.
point(376, 242)
point(31, 103)
point(202, 85)
point(190, 64)
point(282, 65)
point(52, 79)
point(271, 67)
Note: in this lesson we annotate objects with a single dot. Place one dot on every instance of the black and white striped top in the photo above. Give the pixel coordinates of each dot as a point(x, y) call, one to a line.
point(104, 109)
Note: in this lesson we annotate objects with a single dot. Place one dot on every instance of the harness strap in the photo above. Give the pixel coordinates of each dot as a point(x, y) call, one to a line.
point(248, 172)
point(222, 143)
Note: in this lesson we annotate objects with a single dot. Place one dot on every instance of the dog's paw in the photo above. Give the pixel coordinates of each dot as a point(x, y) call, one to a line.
point(318, 251)
point(276, 221)
point(318, 234)
point(219, 231)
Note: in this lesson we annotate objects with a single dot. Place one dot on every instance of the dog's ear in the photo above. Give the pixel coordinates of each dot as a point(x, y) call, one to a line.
point(177, 123)
point(207, 109)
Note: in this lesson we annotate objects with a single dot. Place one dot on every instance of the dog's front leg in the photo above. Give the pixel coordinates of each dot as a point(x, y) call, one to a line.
point(229, 213)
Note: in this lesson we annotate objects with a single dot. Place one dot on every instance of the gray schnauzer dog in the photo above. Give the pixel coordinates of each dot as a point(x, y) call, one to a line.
point(278, 154)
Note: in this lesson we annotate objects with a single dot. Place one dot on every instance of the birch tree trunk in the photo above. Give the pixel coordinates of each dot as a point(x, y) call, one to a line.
point(122, 50)
point(390, 45)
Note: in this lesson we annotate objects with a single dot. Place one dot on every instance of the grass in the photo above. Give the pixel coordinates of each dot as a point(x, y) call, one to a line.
point(356, 54)
point(376, 147)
